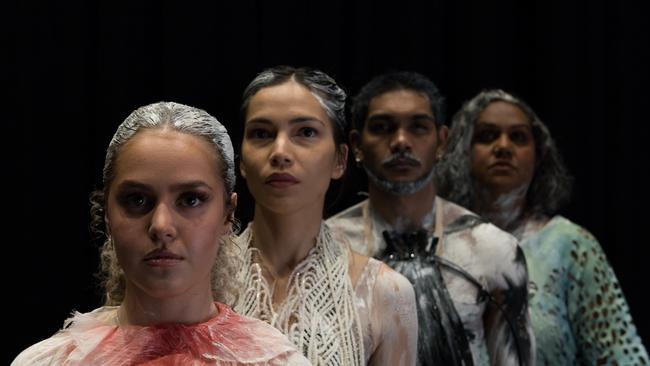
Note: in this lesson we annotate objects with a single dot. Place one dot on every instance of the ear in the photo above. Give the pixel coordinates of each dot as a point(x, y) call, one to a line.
point(232, 206)
point(355, 143)
point(242, 168)
point(443, 134)
point(341, 161)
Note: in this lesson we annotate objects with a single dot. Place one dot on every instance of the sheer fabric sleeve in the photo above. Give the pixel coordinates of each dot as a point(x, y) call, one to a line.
point(508, 331)
point(599, 314)
point(52, 351)
point(394, 309)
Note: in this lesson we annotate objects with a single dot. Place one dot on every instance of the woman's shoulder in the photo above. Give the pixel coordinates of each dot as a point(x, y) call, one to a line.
point(565, 242)
point(51, 351)
point(559, 228)
point(57, 348)
point(239, 338)
point(389, 286)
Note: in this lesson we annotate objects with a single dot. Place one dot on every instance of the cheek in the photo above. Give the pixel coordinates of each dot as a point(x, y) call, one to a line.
point(249, 155)
point(205, 243)
point(126, 250)
point(479, 156)
point(251, 165)
point(528, 159)
point(371, 154)
point(479, 161)
point(321, 167)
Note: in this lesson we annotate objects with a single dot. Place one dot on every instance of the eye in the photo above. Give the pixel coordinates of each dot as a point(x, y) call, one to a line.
point(421, 127)
point(485, 136)
point(258, 133)
point(308, 132)
point(520, 137)
point(379, 127)
point(192, 199)
point(138, 203)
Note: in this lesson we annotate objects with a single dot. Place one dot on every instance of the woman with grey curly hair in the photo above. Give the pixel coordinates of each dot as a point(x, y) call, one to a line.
point(169, 259)
point(502, 163)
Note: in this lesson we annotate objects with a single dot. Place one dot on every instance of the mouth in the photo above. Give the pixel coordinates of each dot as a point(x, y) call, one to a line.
point(502, 165)
point(162, 258)
point(401, 163)
point(281, 180)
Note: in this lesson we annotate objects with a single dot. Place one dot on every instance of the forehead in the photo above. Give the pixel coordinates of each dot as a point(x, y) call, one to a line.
point(286, 101)
point(502, 114)
point(162, 154)
point(400, 102)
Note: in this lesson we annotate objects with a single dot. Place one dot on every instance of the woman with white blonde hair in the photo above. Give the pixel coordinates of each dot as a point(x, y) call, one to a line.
point(168, 261)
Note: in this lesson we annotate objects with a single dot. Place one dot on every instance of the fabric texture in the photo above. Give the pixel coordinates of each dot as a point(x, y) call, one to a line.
point(227, 339)
point(331, 321)
point(489, 255)
point(579, 313)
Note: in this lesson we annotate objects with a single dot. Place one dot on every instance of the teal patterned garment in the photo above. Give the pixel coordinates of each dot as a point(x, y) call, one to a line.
point(578, 311)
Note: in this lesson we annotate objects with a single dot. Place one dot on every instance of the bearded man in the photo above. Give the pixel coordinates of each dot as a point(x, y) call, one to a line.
point(470, 277)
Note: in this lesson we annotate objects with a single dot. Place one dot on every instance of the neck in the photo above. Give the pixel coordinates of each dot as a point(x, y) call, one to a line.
point(505, 210)
point(138, 308)
point(404, 212)
point(285, 239)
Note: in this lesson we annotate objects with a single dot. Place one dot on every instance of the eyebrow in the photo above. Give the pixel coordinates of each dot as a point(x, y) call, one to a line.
point(494, 125)
point(387, 116)
point(176, 187)
point(297, 120)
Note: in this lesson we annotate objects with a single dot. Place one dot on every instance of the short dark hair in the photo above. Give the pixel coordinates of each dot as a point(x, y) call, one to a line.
point(400, 80)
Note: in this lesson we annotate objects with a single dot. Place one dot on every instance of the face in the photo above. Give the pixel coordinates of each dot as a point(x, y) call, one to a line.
point(288, 154)
point(503, 148)
point(165, 213)
point(400, 143)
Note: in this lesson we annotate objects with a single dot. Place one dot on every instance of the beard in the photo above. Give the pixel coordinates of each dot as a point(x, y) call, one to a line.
point(400, 188)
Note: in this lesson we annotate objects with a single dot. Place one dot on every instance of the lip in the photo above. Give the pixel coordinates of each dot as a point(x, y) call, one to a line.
point(162, 258)
point(281, 180)
point(501, 165)
point(402, 163)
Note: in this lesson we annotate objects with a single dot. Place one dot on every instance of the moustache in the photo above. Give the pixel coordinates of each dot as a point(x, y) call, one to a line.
point(401, 158)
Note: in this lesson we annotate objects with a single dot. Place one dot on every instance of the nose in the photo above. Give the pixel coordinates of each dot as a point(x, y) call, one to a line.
point(162, 228)
point(400, 141)
point(281, 155)
point(503, 147)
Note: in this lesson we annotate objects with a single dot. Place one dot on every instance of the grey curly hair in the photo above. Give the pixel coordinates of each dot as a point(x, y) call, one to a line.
point(188, 120)
point(550, 187)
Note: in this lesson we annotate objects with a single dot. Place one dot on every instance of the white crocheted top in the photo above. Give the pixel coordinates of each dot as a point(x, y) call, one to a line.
point(318, 314)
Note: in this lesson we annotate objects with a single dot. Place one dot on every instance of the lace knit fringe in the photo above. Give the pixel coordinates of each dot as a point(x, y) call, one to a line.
point(319, 314)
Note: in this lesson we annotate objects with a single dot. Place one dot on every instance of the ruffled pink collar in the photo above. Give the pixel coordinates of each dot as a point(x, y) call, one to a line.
point(228, 338)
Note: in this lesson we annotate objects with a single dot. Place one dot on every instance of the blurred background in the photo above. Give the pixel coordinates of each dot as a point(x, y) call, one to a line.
point(77, 68)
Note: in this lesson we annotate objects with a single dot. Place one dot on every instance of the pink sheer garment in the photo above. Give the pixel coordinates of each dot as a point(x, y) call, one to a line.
point(385, 302)
point(227, 339)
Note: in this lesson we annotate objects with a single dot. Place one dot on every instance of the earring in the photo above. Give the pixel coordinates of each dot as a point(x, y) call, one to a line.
point(357, 157)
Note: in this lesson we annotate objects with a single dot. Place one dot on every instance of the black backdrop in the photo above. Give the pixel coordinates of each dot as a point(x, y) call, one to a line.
point(78, 68)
